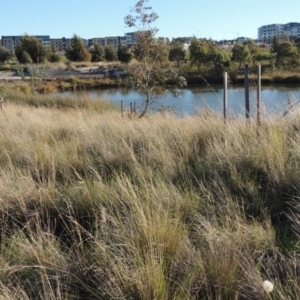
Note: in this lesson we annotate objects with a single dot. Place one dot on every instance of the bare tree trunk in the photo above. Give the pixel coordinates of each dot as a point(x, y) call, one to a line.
point(146, 105)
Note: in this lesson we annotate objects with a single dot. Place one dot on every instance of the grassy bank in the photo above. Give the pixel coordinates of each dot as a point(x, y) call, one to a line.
point(104, 207)
point(26, 94)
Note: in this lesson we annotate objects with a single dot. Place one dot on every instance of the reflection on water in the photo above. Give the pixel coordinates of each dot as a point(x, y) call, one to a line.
point(193, 99)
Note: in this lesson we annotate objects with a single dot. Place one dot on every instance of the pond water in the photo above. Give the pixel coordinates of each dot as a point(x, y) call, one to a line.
point(275, 99)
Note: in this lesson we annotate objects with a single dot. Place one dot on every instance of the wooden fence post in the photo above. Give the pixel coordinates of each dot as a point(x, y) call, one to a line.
point(225, 97)
point(122, 108)
point(1, 101)
point(258, 103)
point(247, 102)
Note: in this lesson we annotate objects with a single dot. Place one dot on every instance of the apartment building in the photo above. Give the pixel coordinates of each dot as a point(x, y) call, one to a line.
point(44, 39)
point(292, 29)
point(61, 44)
point(97, 41)
point(267, 32)
point(58, 44)
point(131, 38)
point(111, 41)
point(123, 40)
point(11, 42)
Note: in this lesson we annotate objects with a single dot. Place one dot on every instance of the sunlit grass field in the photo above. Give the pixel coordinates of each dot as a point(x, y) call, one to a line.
point(94, 205)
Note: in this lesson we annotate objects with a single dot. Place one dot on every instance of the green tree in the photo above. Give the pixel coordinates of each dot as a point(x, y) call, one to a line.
point(177, 53)
point(217, 61)
point(25, 58)
point(287, 55)
point(77, 51)
point(253, 48)
point(97, 53)
point(5, 54)
point(110, 53)
point(157, 49)
point(162, 49)
point(53, 57)
point(297, 43)
point(53, 48)
point(198, 51)
point(30, 45)
point(275, 44)
point(149, 76)
point(52, 54)
point(284, 37)
point(206, 55)
point(240, 54)
point(124, 54)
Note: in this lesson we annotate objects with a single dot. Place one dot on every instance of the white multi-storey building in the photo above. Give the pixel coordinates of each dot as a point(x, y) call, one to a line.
point(292, 29)
point(267, 32)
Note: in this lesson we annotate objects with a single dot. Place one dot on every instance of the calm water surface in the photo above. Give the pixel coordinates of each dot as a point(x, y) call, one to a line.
point(193, 99)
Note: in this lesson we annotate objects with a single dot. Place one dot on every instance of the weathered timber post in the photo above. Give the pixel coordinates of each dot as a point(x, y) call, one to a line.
point(1, 101)
point(247, 102)
point(134, 108)
point(258, 103)
point(131, 108)
point(122, 110)
point(225, 97)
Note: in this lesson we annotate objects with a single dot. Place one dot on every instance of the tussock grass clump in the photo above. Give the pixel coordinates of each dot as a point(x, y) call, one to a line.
point(103, 207)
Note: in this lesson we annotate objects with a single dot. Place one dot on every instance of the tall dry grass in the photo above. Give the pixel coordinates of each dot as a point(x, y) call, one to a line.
point(96, 206)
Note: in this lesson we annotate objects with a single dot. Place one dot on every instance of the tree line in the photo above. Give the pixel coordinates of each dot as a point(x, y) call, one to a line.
point(203, 54)
point(31, 50)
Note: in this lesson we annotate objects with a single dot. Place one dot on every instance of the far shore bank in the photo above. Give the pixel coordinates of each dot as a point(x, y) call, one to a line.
point(51, 83)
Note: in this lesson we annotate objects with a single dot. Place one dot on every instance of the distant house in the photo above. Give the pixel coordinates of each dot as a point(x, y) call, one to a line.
point(186, 47)
point(241, 39)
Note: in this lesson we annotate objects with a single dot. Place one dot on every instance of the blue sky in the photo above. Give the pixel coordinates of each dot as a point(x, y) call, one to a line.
point(216, 19)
